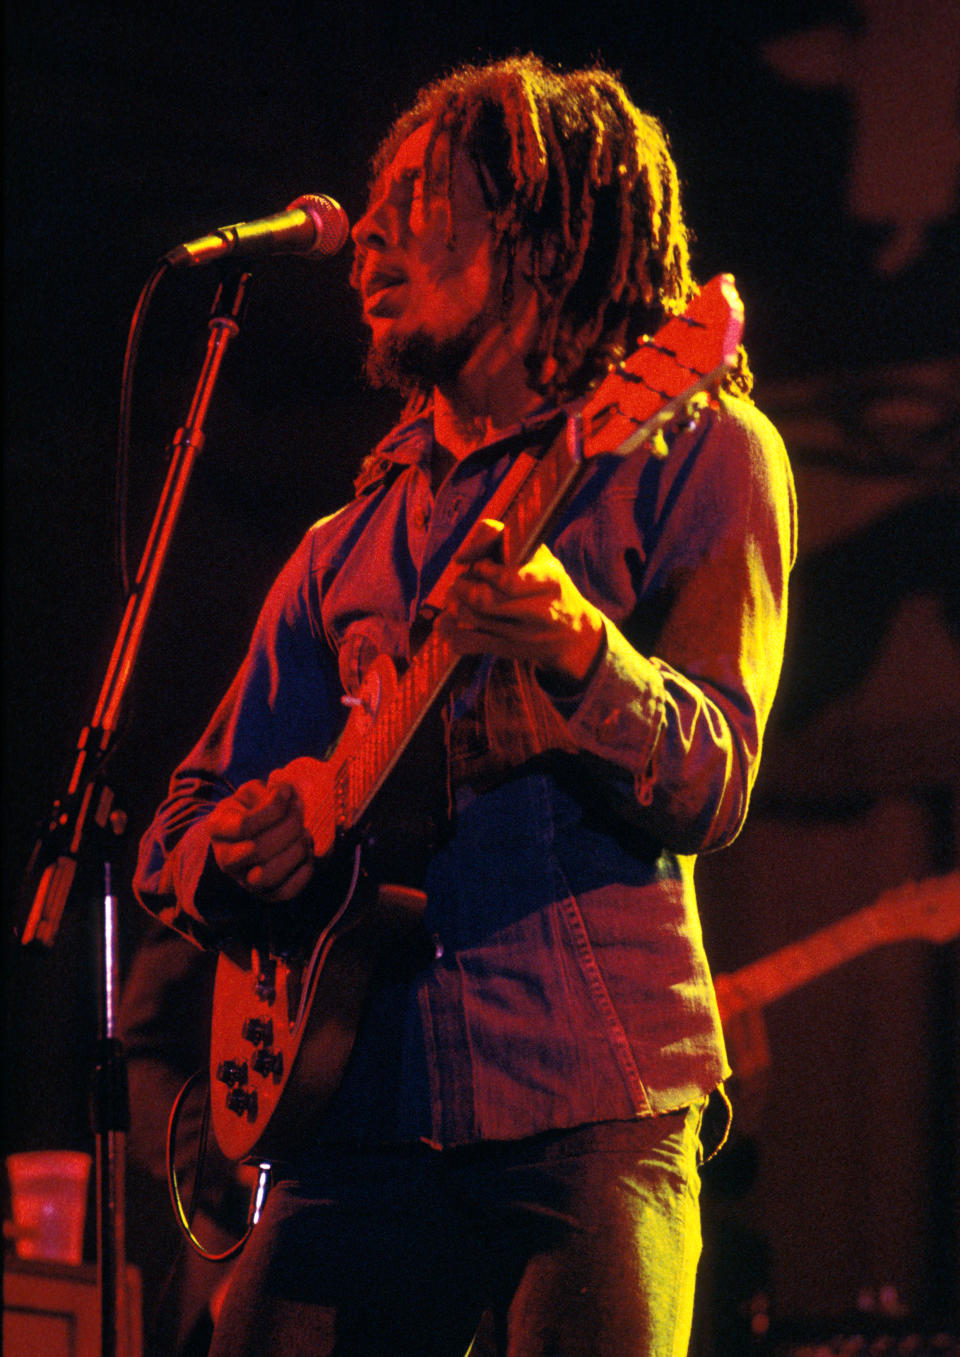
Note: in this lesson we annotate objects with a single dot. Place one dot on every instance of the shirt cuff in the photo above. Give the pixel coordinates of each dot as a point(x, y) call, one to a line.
point(216, 906)
point(621, 712)
point(566, 694)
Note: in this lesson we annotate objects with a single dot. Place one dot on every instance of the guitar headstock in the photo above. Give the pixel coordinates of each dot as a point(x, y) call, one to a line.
point(928, 909)
point(662, 378)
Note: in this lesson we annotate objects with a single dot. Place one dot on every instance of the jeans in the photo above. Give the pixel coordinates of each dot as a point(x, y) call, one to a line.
point(579, 1243)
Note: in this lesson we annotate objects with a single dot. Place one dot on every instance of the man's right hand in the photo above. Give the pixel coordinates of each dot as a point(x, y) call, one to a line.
point(259, 841)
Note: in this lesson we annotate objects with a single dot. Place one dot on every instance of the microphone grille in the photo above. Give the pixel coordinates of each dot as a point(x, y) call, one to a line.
point(328, 217)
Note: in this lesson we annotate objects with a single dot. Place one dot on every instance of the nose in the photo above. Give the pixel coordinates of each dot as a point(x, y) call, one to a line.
point(373, 230)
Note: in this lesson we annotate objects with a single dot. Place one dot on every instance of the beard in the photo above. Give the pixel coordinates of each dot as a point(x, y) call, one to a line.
point(415, 363)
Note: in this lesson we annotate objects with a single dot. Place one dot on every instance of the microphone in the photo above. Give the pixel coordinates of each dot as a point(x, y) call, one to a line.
point(312, 224)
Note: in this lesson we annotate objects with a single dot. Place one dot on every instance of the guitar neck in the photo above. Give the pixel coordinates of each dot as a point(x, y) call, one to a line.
point(525, 502)
point(762, 982)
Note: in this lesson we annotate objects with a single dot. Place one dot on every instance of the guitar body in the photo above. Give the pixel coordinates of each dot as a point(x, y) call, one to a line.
point(284, 1024)
point(285, 1016)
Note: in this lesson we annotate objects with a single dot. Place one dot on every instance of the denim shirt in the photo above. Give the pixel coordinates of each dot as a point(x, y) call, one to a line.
point(567, 982)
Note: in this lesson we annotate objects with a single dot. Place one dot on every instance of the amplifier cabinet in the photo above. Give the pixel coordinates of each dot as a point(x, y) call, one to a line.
point(54, 1310)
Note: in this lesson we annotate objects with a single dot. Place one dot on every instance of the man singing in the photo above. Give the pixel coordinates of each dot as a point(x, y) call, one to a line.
point(517, 1128)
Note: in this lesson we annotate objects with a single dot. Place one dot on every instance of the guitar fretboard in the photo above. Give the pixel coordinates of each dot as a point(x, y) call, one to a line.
point(761, 982)
point(930, 910)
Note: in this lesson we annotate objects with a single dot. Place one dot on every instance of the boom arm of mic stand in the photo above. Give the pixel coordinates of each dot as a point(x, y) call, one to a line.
point(87, 809)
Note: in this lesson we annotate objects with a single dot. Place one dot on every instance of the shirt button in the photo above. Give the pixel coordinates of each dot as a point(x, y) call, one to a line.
point(609, 729)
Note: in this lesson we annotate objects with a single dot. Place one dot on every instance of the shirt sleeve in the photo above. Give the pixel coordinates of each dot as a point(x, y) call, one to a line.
point(677, 706)
point(283, 703)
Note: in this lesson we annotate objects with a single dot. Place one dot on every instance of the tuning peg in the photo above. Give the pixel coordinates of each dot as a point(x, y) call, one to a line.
point(657, 444)
point(693, 409)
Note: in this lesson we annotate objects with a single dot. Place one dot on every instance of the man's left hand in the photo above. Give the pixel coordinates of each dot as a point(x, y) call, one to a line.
point(528, 612)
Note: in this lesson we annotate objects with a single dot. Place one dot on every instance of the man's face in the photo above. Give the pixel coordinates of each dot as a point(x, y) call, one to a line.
point(428, 299)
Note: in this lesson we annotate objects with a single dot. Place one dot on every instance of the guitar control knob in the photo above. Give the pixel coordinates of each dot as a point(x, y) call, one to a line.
point(232, 1073)
point(242, 1101)
point(268, 1062)
point(258, 1031)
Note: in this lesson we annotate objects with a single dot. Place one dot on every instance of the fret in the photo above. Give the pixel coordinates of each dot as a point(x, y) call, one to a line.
point(341, 794)
point(536, 489)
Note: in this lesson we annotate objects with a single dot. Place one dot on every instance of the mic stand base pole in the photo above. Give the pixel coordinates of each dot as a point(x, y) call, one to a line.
point(110, 1117)
point(111, 1248)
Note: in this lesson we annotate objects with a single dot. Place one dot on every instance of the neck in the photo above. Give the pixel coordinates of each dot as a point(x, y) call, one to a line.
point(463, 427)
point(492, 391)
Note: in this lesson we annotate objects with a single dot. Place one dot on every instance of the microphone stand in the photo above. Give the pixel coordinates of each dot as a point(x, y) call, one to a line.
point(85, 825)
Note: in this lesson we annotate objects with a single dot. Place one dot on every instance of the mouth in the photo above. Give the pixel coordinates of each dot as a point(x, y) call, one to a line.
point(380, 289)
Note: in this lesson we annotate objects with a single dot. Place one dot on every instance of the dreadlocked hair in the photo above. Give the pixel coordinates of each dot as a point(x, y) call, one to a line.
point(573, 172)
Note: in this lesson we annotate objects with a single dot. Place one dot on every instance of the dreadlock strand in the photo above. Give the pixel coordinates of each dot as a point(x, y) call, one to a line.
point(529, 165)
point(563, 183)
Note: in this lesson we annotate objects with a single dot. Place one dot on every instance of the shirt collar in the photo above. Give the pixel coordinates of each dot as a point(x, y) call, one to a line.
point(411, 443)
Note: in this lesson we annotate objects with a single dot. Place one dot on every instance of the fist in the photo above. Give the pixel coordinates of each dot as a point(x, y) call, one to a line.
point(532, 611)
point(259, 841)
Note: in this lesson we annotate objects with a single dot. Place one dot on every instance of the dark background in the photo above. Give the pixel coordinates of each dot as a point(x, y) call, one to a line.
point(819, 146)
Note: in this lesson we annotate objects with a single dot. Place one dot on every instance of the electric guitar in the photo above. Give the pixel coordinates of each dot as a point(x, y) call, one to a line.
point(285, 1017)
